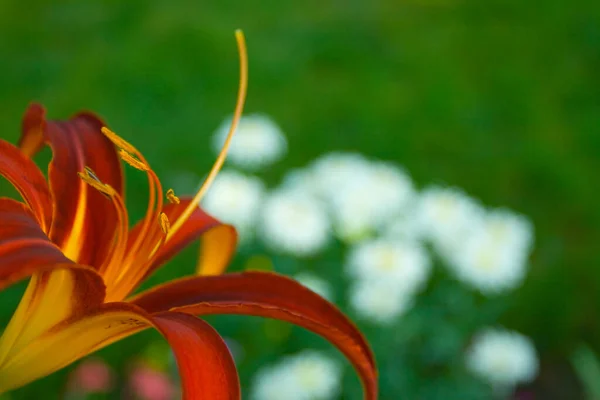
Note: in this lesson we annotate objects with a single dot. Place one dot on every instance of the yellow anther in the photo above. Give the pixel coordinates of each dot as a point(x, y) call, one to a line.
point(118, 141)
point(165, 225)
point(89, 177)
point(172, 198)
point(131, 160)
point(90, 172)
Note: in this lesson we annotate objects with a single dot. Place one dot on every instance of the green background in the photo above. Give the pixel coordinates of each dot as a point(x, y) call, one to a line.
point(501, 98)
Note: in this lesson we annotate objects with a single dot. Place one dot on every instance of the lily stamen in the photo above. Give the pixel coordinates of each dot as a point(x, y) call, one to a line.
point(173, 199)
point(134, 162)
point(241, 98)
point(122, 143)
point(165, 225)
point(89, 177)
point(119, 243)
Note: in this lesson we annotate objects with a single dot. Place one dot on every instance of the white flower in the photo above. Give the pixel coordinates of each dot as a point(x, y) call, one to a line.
point(235, 198)
point(379, 301)
point(404, 227)
point(365, 204)
point(295, 223)
point(308, 375)
point(446, 215)
point(493, 258)
point(303, 181)
point(503, 358)
point(316, 284)
point(403, 264)
point(258, 142)
point(510, 230)
point(332, 172)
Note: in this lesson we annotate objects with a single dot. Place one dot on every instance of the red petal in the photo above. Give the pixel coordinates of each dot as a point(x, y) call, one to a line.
point(24, 247)
point(77, 143)
point(26, 177)
point(206, 367)
point(267, 295)
point(217, 245)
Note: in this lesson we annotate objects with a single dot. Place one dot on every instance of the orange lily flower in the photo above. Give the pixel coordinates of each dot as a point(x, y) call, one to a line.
point(71, 235)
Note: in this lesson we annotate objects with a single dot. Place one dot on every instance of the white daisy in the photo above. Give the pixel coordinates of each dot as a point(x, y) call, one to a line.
point(403, 264)
point(364, 205)
point(379, 301)
point(258, 142)
point(331, 172)
point(446, 216)
point(294, 223)
point(235, 198)
point(503, 358)
point(510, 230)
point(308, 375)
point(303, 181)
point(405, 226)
point(493, 258)
point(316, 284)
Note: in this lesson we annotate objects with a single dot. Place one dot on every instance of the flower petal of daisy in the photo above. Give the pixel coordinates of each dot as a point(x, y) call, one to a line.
point(83, 222)
point(266, 295)
point(27, 178)
point(24, 247)
point(205, 363)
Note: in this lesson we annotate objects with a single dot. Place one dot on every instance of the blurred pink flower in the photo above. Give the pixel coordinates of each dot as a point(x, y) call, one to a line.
point(150, 384)
point(92, 376)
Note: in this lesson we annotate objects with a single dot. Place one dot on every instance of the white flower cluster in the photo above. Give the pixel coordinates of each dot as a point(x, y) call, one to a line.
point(486, 249)
point(503, 358)
point(388, 274)
point(373, 206)
point(308, 375)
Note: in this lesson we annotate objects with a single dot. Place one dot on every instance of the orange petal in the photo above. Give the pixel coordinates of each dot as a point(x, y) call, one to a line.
point(206, 367)
point(24, 247)
point(68, 291)
point(217, 240)
point(84, 220)
point(26, 177)
point(267, 295)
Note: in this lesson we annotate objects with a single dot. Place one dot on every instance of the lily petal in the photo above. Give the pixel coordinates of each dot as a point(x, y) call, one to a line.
point(205, 364)
point(217, 240)
point(27, 178)
point(266, 295)
point(84, 220)
point(207, 369)
point(24, 247)
point(67, 291)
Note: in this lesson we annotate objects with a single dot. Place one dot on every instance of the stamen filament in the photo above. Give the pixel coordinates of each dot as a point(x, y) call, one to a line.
point(111, 266)
point(119, 243)
point(155, 189)
point(241, 98)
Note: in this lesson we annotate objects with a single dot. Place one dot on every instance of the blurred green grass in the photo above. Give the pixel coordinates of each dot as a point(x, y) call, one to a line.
point(500, 98)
